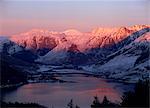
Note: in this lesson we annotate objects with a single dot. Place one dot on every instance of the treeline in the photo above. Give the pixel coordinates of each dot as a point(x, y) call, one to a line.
point(139, 98)
point(21, 105)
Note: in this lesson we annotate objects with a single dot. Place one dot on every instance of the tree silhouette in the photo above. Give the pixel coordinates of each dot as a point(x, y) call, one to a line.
point(77, 106)
point(70, 104)
point(96, 103)
point(138, 98)
point(105, 101)
point(20, 105)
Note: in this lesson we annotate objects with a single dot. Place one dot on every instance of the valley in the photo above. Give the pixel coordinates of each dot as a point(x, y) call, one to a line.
point(119, 53)
point(74, 53)
point(73, 65)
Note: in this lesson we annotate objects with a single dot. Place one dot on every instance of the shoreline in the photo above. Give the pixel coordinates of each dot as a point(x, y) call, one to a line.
point(88, 74)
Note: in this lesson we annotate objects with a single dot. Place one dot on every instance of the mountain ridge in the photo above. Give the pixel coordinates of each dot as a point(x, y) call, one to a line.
point(119, 53)
point(129, 64)
point(36, 36)
point(92, 45)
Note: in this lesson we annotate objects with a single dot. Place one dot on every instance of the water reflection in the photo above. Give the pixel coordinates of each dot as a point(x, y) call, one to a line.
point(59, 94)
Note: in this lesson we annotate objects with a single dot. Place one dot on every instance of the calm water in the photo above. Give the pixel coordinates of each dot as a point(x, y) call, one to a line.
point(59, 94)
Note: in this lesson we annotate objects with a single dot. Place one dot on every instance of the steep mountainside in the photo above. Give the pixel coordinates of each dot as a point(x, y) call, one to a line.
point(92, 49)
point(130, 63)
point(10, 48)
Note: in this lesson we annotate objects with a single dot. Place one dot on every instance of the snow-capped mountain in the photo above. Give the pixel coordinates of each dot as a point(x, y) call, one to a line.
point(72, 32)
point(121, 53)
point(10, 48)
point(7, 46)
point(36, 40)
point(72, 45)
point(130, 63)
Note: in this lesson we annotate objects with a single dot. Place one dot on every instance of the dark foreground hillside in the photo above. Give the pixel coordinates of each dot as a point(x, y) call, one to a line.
point(10, 75)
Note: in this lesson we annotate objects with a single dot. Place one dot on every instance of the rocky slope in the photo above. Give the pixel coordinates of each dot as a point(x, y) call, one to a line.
point(130, 63)
point(54, 47)
point(70, 46)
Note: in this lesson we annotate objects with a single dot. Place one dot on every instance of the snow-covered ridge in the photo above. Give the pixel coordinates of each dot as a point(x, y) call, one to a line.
point(99, 37)
point(130, 63)
point(73, 45)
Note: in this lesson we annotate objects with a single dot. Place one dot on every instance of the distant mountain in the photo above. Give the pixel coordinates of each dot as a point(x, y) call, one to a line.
point(70, 46)
point(121, 53)
point(72, 32)
point(89, 47)
point(100, 37)
point(130, 63)
point(37, 41)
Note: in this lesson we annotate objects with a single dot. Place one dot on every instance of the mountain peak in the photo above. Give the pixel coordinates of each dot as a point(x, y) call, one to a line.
point(100, 30)
point(72, 32)
point(39, 31)
point(138, 27)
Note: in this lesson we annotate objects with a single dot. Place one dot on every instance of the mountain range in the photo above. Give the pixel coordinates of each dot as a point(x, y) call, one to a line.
point(120, 53)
